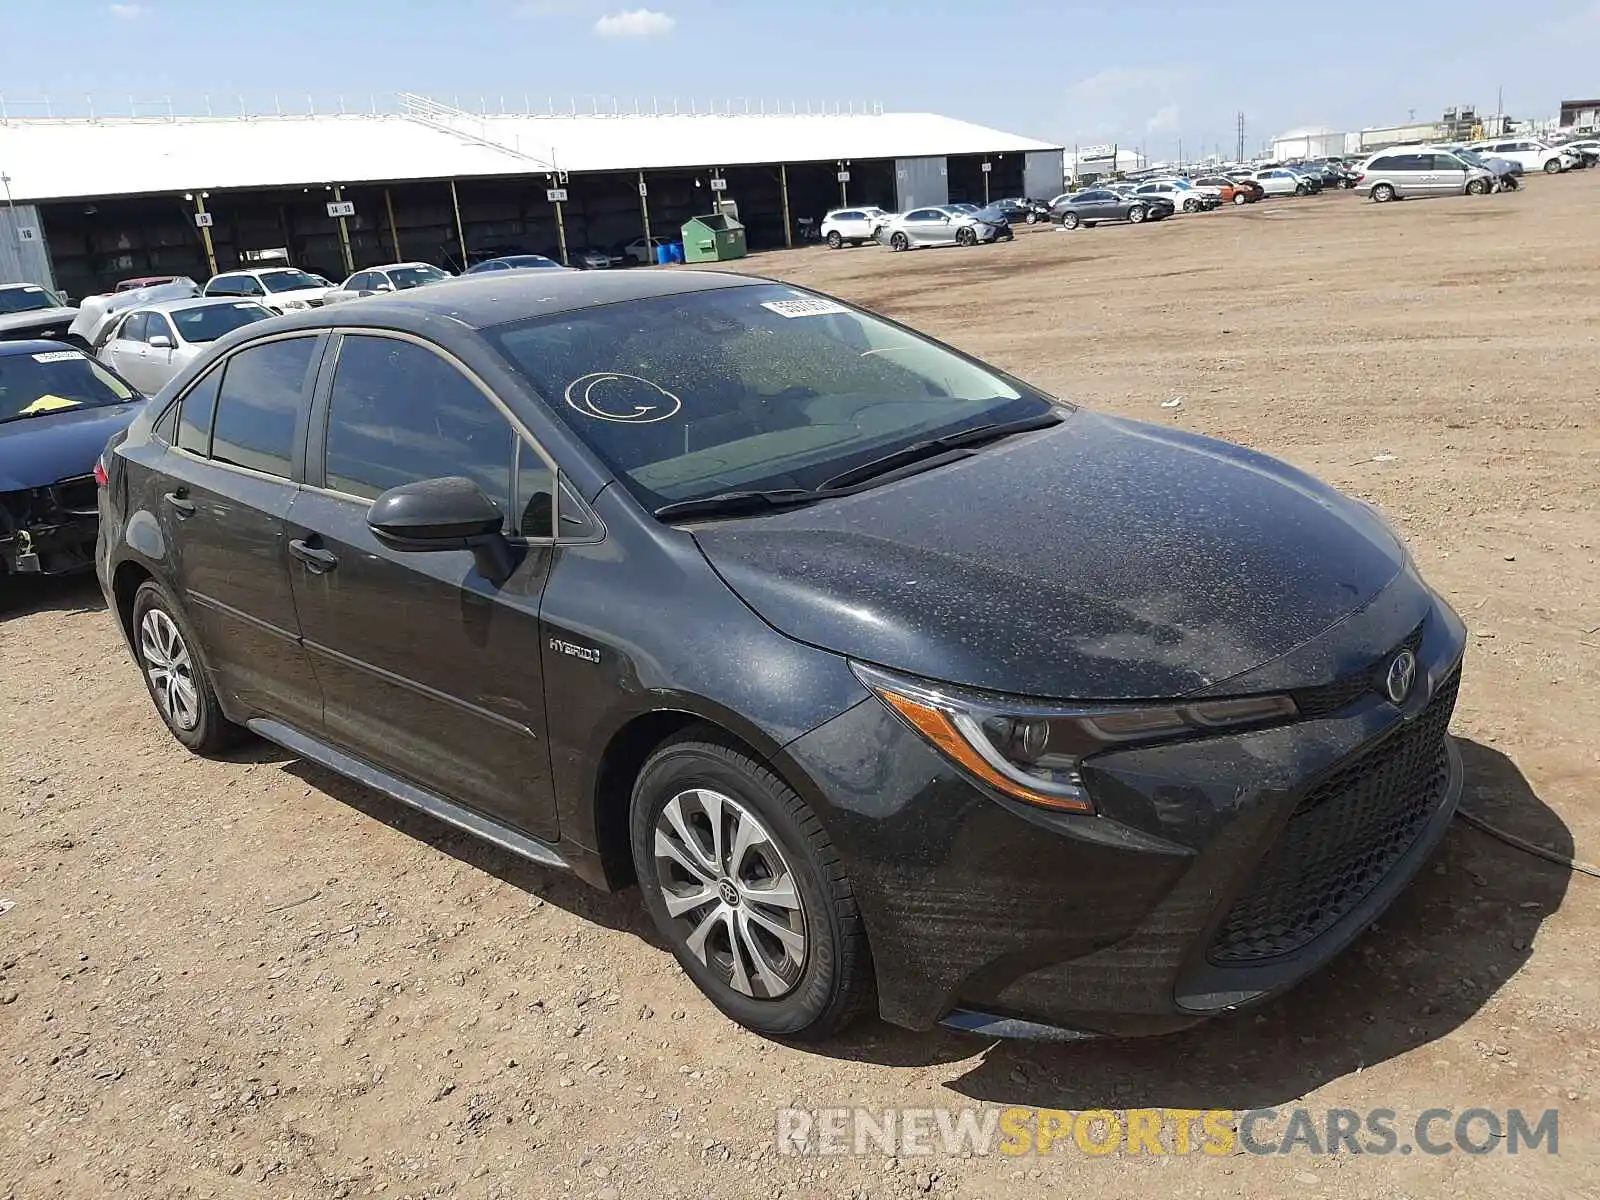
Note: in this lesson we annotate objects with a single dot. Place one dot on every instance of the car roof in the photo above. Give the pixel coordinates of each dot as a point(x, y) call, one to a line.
point(187, 302)
point(498, 298)
point(395, 265)
point(33, 346)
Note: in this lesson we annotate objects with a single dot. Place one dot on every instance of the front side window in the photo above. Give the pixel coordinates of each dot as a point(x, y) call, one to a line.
point(134, 329)
point(34, 385)
point(258, 409)
point(208, 322)
point(759, 387)
point(158, 327)
point(400, 413)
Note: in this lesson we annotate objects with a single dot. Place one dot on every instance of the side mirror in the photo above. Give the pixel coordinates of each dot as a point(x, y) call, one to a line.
point(452, 513)
point(161, 342)
point(384, 287)
point(363, 292)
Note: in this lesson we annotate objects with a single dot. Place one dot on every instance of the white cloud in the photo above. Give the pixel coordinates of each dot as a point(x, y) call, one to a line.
point(128, 12)
point(639, 23)
point(1163, 120)
point(1120, 101)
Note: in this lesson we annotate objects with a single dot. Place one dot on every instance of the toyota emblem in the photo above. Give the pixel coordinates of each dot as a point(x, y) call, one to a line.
point(1402, 674)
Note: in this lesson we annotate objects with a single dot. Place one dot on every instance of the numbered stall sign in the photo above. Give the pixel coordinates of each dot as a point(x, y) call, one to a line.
point(556, 195)
point(204, 220)
point(341, 208)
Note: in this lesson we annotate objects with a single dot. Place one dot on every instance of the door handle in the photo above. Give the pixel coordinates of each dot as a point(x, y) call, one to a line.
point(317, 560)
point(180, 503)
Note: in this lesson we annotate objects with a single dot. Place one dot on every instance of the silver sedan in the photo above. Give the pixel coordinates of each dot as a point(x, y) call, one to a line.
point(944, 226)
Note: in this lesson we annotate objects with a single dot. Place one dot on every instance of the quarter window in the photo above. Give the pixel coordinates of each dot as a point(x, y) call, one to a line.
point(400, 413)
point(259, 405)
point(198, 408)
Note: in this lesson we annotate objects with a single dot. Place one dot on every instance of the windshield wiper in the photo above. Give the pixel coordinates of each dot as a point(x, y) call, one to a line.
point(933, 447)
point(737, 502)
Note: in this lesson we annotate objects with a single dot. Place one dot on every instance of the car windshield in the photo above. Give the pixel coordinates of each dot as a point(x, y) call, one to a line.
point(208, 322)
point(26, 299)
point(752, 387)
point(289, 281)
point(404, 278)
point(1471, 156)
point(33, 385)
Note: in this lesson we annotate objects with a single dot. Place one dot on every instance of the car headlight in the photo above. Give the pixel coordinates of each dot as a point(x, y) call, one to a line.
point(1032, 751)
point(291, 305)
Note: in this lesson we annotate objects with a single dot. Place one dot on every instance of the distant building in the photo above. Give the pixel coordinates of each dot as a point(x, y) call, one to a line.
point(1580, 114)
point(1316, 141)
point(1095, 162)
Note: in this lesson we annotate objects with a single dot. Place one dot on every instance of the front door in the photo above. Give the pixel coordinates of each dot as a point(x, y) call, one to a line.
point(226, 489)
point(128, 351)
point(429, 670)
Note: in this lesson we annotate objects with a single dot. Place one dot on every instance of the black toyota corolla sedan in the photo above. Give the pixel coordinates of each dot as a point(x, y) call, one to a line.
point(891, 681)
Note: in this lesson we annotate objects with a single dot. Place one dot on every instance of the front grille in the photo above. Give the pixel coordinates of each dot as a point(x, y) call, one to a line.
point(1341, 693)
point(1345, 836)
point(78, 496)
point(316, 303)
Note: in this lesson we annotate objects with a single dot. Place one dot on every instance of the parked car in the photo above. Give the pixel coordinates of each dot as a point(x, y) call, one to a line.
point(639, 250)
point(282, 289)
point(31, 311)
point(730, 649)
point(58, 407)
point(1100, 205)
point(1022, 211)
point(853, 226)
point(1504, 171)
point(514, 262)
point(1281, 181)
point(995, 215)
point(1533, 155)
point(1186, 197)
point(1232, 191)
point(1587, 148)
point(97, 314)
point(944, 226)
point(1411, 173)
point(591, 258)
point(151, 344)
point(391, 277)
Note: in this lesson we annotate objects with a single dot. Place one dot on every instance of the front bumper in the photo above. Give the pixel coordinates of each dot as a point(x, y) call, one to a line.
point(49, 530)
point(1218, 872)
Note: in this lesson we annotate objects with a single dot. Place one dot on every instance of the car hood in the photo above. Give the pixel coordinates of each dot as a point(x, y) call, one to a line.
point(38, 451)
point(1102, 559)
point(37, 318)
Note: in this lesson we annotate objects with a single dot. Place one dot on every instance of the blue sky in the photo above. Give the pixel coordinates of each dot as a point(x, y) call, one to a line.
point(1137, 72)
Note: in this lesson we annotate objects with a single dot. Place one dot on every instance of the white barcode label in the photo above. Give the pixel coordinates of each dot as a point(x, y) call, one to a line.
point(804, 308)
point(56, 356)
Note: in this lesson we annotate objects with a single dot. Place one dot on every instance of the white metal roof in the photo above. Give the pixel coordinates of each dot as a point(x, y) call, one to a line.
point(65, 159)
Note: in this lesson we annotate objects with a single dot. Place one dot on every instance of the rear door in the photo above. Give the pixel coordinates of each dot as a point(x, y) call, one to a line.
point(430, 671)
point(229, 482)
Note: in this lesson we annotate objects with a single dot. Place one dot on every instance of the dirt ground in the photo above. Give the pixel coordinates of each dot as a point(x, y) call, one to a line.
point(251, 978)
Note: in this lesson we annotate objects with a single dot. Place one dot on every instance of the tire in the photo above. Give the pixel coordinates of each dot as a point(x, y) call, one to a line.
point(834, 240)
point(1477, 187)
point(1032, 218)
point(1191, 205)
point(899, 241)
point(1137, 214)
point(966, 237)
point(1553, 167)
point(1240, 198)
point(1382, 193)
point(177, 680)
point(1071, 220)
point(1301, 189)
point(802, 970)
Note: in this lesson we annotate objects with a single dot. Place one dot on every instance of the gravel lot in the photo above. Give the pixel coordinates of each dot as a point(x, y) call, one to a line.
point(252, 978)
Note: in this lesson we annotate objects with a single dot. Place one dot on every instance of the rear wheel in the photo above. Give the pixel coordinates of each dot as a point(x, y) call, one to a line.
point(742, 881)
point(834, 240)
point(1383, 193)
point(1137, 214)
point(1071, 221)
point(175, 676)
point(899, 242)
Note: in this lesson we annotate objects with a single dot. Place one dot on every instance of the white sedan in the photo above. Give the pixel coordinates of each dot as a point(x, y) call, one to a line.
point(149, 344)
point(392, 277)
point(1281, 182)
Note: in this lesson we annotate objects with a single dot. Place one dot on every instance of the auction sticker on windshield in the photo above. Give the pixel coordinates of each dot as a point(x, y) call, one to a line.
point(807, 307)
point(51, 356)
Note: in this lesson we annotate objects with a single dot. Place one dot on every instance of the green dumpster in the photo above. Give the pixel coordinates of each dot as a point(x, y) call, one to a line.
point(715, 237)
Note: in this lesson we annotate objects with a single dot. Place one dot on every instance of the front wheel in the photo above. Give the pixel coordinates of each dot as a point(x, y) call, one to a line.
point(899, 241)
point(1302, 190)
point(1137, 214)
point(1240, 198)
point(1553, 167)
point(1477, 187)
point(1383, 193)
point(1032, 218)
point(742, 881)
point(1191, 205)
point(966, 237)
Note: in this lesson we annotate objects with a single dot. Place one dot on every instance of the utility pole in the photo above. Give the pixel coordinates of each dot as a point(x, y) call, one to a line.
point(1240, 158)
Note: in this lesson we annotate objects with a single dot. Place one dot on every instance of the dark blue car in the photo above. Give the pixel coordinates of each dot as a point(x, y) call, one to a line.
point(58, 408)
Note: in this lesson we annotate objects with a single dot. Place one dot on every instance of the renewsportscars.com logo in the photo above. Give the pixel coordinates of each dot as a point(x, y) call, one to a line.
point(921, 1132)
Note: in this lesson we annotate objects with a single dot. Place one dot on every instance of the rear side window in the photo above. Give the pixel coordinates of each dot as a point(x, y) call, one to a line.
point(259, 405)
point(400, 413)
point(195, 414)
point(1383, 164)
